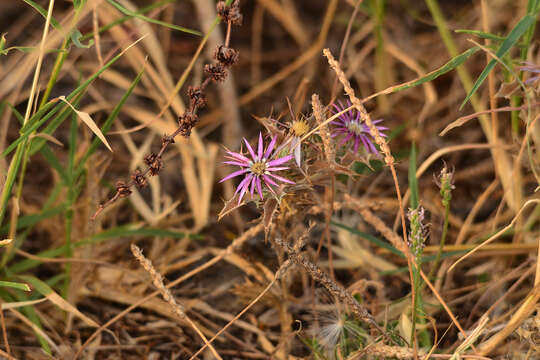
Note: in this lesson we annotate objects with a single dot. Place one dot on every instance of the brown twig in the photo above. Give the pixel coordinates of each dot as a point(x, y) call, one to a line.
point(4, 331)
point(225, 57)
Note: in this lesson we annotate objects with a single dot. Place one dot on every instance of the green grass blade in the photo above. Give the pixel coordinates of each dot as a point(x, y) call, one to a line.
point(30, 314)
point(27, 130)
point(126, 18)
point(425, 259)
point(153, 21)
point(449, 66)
point(10, 180)
point(121, 231)
point(413, 182)
point(370, 238)
point(507, 44)
point(28, 264)
point(15, 285)
point(55, 163)
point(480, 34)
point(43, 13)
point(33, 219)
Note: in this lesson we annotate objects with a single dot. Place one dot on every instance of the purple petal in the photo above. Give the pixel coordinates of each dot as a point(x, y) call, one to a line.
point(236, 173)
point(243, 183)
point(238, 156)
point(298, 154)
point(269, 182)
point(356, 143)
point(531, 80)
point(366, 146)
point(530, 69)
point(279, 168)
point(260, 149)
point(250, 149)
point(345, 139)
point(252, 186)
point(372, 147)
point(244, 188)
point(270, 147)
point(280, 161)
point(338, 109)
point(236, 163)
point(281, 178)
point(259, 188)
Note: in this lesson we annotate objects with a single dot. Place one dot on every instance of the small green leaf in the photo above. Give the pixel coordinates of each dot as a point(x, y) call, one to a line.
point(77, 4)
point(481, 34)
point(449, 66)
point(76, 39)
point(507, 44)
point(15, 285)
point(43, 13)
point(3, 44)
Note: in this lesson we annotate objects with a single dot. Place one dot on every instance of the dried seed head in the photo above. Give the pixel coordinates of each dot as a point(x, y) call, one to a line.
point(186, 122)
point(167, 139)
point(155, 163)
point(139, 179)
point(446, 183)
point(417, 232)
point(196, 96)
point(226, 55)
point(230, 13)
point(216, 72)
point(122, 189)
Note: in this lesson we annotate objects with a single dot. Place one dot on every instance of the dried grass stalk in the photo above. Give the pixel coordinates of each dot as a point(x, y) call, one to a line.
point(324, 130)
point(178, 309)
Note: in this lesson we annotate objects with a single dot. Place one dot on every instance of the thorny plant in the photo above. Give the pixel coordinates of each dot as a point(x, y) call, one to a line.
point(225, 57)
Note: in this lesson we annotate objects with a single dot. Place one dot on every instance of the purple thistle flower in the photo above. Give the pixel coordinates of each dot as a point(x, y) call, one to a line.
point(351, 127)
point(257, 170)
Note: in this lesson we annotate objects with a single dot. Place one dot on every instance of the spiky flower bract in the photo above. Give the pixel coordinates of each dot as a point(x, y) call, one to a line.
point(258, 170)
point(298, 129)
point(352, 127)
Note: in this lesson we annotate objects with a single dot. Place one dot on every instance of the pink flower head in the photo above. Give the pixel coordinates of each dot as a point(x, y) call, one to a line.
point(257, 170)
point(351, 127)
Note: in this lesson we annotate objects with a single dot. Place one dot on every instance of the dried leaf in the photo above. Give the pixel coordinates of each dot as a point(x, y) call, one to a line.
point(269, 208)
point(5, 242)
point(229, 206)
point(47, 137)
point(89, 122)
point(507, 89)
point(18, 304)
point(405, 326)
point(56, 299)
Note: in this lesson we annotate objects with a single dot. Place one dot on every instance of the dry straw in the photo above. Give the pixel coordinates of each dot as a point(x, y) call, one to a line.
point(324, 279)
point(178, 309)
point(324, 130)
